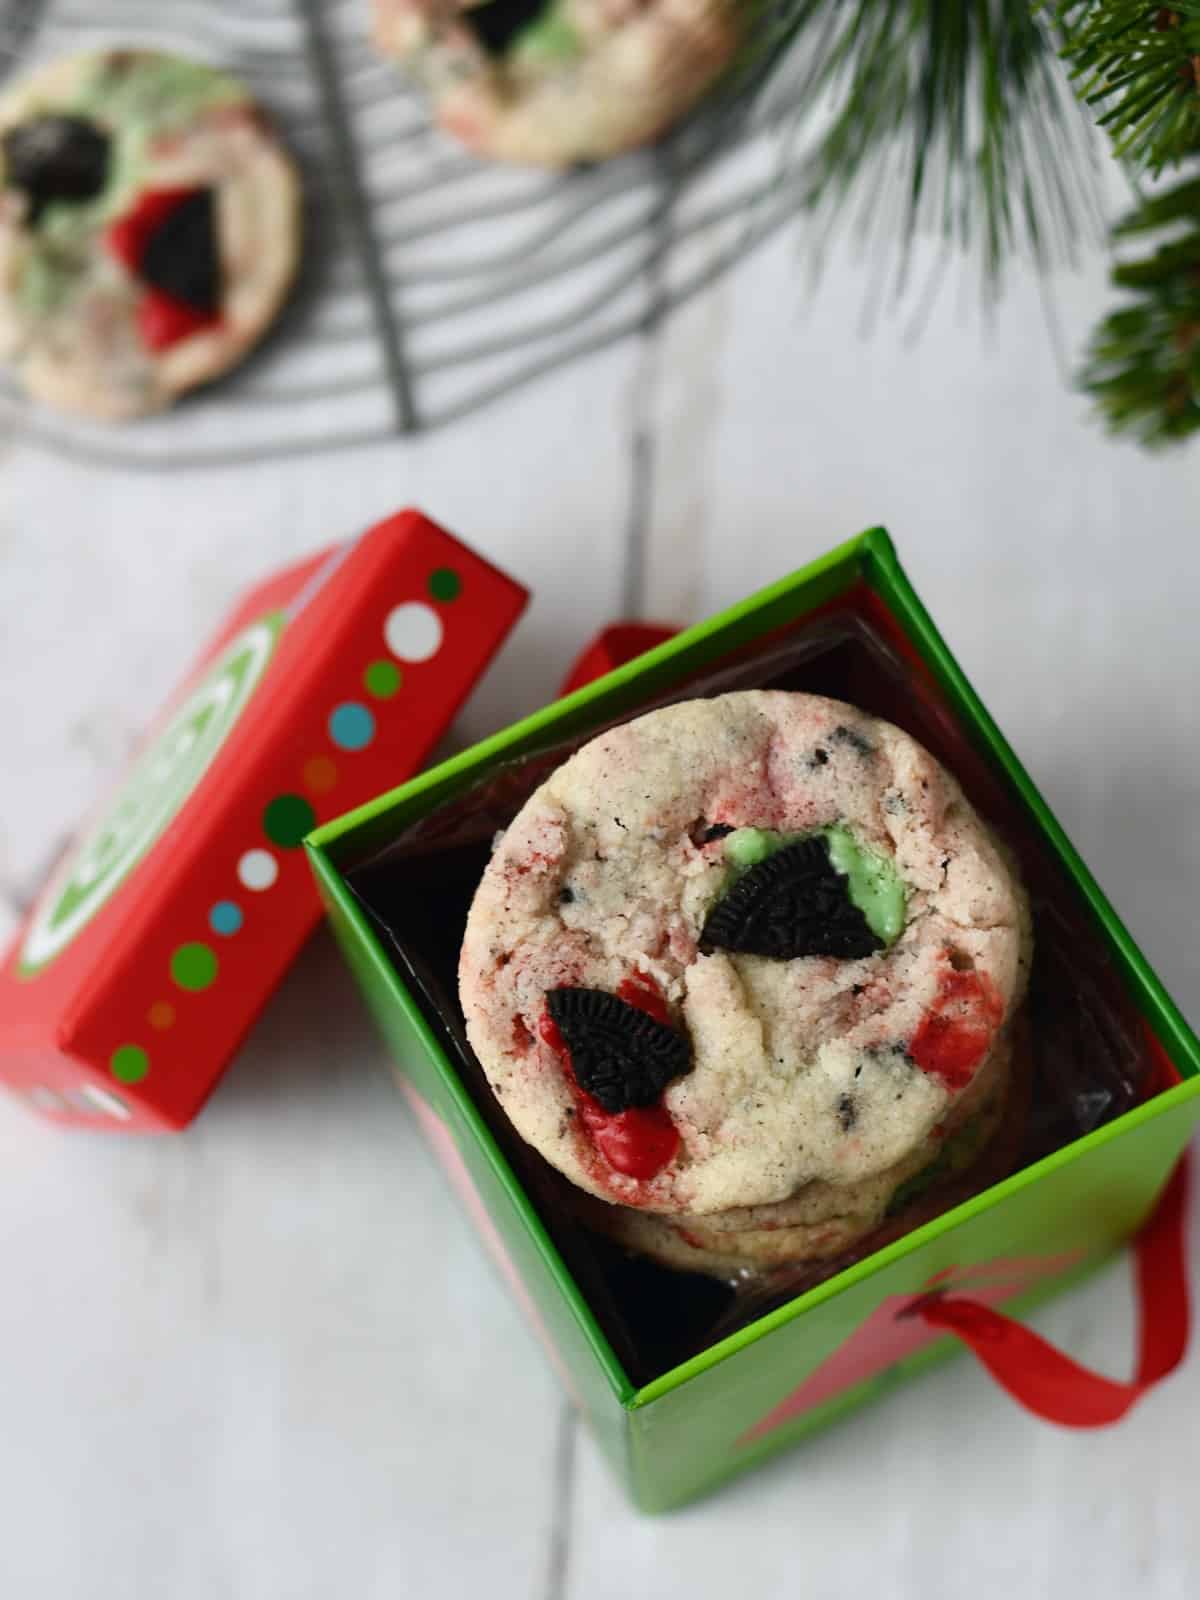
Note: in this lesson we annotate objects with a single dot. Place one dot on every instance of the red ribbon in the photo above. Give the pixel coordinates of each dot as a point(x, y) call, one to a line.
point(1051, 1384)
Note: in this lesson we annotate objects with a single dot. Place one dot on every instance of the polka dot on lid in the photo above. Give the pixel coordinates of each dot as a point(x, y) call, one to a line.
point(257, 870)
point(413, 631)
point(129, 1063)
point(351, 726)
point(161, 1015)
point(193, 966)
point(287, 819)
point(445, 584)
point(320, 774)
point(225, 918)
point(382, 679)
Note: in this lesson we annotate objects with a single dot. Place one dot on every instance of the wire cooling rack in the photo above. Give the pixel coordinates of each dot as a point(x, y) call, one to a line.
point(432, 283)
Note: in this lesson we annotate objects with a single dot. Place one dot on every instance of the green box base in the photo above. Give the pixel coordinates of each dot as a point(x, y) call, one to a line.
point(768, 1385)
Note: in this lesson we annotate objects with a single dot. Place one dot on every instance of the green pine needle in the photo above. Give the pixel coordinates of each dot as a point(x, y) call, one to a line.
point(1143, 366)
point(955, 117)
point(944, 117)
point(1139, 65)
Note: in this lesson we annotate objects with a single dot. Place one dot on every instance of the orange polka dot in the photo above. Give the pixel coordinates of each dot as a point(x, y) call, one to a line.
point(161, 1015)
point(320, 775)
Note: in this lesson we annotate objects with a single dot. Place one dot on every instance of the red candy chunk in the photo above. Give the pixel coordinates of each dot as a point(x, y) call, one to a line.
point(955, 1035)
point(642, 991)
point(129, 235)
point(552, 1035)
point(163, 321)
point(637, 1143)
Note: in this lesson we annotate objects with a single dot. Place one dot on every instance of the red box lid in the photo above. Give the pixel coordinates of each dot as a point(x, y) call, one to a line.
point(186, 896)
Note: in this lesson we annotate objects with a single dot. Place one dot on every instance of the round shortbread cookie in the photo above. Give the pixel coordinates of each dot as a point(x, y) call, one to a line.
point(556, 82)
point(671, 983)
point(149, 230)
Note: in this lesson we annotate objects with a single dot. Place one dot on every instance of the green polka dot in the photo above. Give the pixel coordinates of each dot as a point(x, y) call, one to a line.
point(287, 819)
point(129, 1063)
point(445, 584)
point(382, 679)
point(193, 966)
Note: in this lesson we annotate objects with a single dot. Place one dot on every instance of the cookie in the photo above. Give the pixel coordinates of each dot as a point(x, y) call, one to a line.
point(821, 1221)
point(555, 82)
point(149, 230)
point(827, 939)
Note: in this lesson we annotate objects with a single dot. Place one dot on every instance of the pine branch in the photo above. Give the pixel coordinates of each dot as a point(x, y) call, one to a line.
point(1143, 365)
point(946, 117)
point(1140, 64)
point(955, 117)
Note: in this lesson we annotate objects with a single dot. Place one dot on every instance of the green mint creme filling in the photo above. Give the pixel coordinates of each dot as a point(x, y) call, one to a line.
point(552, 38)
point(873, 884)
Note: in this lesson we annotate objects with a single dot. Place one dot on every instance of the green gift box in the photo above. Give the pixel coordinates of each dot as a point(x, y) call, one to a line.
point(683, 1385)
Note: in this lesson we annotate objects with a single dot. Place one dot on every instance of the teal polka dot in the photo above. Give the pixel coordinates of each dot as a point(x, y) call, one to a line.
point(225, 918)
point(351, 727)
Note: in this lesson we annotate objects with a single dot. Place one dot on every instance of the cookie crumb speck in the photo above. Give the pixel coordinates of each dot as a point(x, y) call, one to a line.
point(718, 830)
point(855, 740)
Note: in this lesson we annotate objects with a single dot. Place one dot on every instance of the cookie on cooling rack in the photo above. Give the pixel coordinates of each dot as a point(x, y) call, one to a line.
point(149, 230)
point(555, 82)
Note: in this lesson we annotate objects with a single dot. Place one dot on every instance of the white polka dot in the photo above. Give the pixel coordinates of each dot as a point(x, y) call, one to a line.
point(257, 869)
point(413, 632)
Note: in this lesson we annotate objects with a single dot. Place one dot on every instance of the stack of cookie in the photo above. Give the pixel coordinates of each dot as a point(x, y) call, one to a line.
point(748, 972)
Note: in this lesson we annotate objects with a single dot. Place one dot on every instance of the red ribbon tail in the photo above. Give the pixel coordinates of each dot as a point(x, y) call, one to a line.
point(1053, 1385)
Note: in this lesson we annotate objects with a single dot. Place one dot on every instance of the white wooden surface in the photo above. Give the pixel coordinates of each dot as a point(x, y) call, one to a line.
point(266, 1359)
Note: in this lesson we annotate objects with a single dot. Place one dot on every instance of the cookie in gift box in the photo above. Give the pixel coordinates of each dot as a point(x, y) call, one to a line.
point(743, 968)
point(689, 1377)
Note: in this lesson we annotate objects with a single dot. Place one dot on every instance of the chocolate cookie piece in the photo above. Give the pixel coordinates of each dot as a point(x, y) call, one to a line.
point(795, 903)
point(53, 157)
point(620, 1056)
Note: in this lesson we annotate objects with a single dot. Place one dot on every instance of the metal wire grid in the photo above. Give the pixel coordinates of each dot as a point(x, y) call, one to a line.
point(432, 283)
